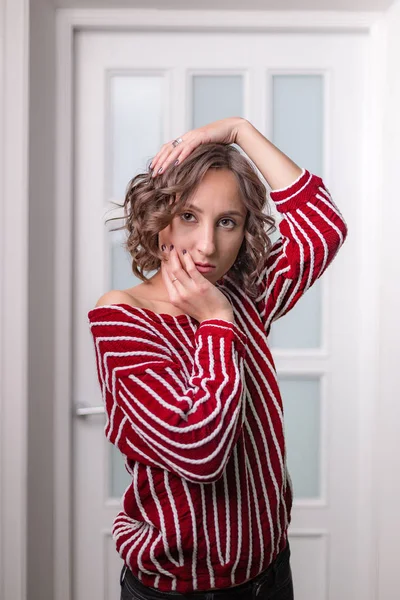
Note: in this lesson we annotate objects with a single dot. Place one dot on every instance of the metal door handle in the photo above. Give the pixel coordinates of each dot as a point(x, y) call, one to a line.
point(84, 410)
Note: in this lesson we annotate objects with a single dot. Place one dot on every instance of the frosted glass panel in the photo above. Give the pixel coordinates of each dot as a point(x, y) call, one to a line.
point(301, 326)
point(136, 110)
point(136, 104)
point(298, 129)
point(298, 119)
point(122, 276)
point(119, 476)
point(216, 97)
point(301, 402)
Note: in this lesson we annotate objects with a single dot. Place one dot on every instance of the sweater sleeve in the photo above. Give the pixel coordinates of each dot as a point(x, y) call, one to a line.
point(160, 412)
point(312, 232)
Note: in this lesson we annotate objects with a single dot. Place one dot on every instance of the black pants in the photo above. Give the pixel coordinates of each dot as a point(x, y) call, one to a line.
point(275, 583)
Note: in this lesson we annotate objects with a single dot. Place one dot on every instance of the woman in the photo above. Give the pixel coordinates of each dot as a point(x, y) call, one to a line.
point(188, 381)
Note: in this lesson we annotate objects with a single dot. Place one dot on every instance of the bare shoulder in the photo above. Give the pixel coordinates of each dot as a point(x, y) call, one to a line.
point(118, 297)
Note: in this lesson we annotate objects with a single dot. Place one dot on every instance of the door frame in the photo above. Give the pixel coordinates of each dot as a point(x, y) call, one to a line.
point(14, 208)
point(68, 22)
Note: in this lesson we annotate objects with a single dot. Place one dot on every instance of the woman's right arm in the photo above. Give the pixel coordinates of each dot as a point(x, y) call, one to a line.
point(159, 412)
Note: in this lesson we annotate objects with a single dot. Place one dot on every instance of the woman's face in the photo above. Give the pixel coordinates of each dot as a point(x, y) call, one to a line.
point(207, 227)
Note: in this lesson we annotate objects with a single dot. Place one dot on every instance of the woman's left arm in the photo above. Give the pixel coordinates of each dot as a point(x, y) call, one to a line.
point(278, 170)
point(312, 227)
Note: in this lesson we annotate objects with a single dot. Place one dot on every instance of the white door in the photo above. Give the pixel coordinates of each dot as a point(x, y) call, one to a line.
point(134, 91)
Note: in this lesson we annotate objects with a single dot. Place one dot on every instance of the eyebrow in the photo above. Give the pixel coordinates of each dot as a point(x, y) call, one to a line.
point(226, 212)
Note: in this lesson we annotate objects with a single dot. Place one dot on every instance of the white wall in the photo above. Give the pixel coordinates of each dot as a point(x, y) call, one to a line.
point(388, 454)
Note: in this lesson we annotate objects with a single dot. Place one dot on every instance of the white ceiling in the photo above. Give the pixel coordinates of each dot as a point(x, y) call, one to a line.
point(276, 5)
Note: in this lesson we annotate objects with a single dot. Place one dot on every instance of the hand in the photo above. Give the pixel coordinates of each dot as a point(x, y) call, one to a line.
point(191, 292)
point(223, 131)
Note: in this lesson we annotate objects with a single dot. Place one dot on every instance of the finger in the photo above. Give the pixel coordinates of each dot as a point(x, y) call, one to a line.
point(172, 264)
point(173, 158)
point(179, 155)
point(166, 273)
point(157, 162)
point(167, 155)
point(173, 293)
point(191, 268)
point(170, 157)
point(156, 157)
point(177, 269)
point(167, 281)
point(173, 276)
point(161, 156)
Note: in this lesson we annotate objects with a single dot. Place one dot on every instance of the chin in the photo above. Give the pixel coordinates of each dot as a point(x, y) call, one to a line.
point(219, 278)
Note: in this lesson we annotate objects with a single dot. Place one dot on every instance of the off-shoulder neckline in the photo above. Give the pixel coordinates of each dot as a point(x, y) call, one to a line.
point(182, 318)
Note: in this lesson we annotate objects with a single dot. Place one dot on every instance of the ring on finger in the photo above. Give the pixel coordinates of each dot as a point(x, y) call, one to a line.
point(177, 141)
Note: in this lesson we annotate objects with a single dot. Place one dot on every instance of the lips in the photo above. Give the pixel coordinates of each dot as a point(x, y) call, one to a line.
point(204, 265)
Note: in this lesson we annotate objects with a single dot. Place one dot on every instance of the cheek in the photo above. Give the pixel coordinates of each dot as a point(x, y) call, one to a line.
point(177, 229)
point(237, 244)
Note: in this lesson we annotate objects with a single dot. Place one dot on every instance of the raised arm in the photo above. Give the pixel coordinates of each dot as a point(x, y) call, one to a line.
point(312, 230)
point(161, 413)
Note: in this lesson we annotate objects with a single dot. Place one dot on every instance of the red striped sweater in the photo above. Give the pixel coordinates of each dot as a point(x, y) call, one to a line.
point(197, 412)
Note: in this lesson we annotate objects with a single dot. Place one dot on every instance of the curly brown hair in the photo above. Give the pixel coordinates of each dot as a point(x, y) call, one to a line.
point(151, 203)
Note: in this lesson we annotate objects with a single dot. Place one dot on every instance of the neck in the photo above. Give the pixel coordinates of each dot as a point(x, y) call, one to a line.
point(157, 287)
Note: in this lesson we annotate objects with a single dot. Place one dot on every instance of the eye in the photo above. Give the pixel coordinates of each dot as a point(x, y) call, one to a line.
point(190, 214)
point(231, 220)
point(186, 213)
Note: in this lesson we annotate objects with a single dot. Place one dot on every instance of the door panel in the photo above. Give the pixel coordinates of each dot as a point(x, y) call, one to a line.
point(134, 91)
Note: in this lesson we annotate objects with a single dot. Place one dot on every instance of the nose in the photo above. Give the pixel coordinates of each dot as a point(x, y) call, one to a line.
point(206, 244)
